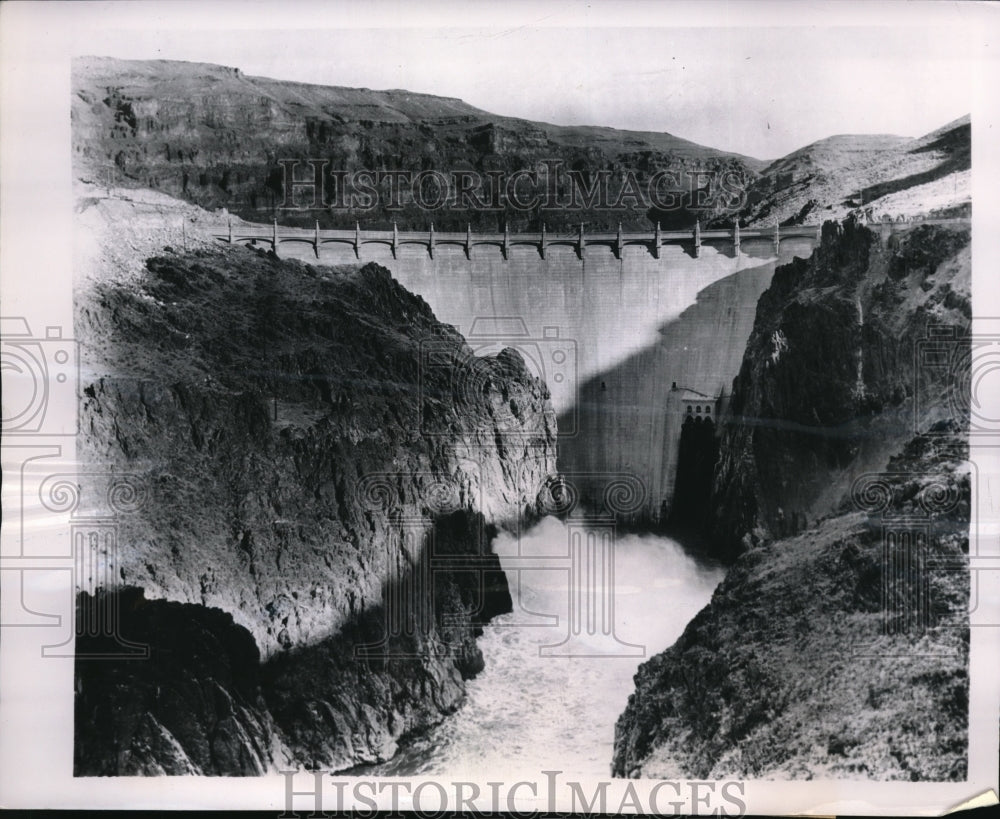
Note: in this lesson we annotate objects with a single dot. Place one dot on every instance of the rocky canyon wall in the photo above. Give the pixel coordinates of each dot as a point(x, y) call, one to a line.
point(217, 137)
point(308, 557)
point(837, 644)
point(832, 383)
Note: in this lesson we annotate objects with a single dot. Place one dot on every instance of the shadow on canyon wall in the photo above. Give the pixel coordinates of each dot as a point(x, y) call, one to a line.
point(202, 702)
point(629, 417)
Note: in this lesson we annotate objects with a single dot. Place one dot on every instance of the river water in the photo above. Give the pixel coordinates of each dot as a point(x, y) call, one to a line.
point(548, 697)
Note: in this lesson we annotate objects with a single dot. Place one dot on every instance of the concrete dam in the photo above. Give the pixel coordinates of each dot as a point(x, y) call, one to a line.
point(628, 340)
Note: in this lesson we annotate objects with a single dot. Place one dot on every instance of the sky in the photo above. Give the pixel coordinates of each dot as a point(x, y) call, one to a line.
point(749, 86)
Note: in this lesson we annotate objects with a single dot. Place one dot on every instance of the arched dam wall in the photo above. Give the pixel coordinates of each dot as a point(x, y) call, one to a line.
point(610, 336)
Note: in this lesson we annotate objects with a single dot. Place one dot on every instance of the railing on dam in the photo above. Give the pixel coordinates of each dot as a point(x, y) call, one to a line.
point(617, 241)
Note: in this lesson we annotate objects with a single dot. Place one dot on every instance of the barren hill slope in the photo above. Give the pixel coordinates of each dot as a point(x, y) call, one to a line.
point(874, 174)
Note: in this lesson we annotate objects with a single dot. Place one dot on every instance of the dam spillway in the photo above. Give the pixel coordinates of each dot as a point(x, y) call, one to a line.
point(612, 331)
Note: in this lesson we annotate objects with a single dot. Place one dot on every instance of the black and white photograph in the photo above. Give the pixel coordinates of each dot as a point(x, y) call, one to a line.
point(500, 407)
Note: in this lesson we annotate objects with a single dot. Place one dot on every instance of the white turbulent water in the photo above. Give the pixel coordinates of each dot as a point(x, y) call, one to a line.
point(528, 713)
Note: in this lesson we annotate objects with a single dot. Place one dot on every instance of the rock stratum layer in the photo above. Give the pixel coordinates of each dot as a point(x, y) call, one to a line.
point(215, 136)
point(837, 645)
point(304, 448)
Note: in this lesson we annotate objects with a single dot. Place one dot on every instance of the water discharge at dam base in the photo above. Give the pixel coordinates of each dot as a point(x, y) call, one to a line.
point(549, 698)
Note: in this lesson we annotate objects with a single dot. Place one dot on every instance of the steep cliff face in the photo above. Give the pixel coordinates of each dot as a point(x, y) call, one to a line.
point(837, 645)
point(308, 447)
point(830, 385)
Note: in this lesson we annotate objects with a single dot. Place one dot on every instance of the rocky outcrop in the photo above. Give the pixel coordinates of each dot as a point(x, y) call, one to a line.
point(837, 645)
point(797, 669)
point(829, 386)
point(193, 706)
point(314, 455)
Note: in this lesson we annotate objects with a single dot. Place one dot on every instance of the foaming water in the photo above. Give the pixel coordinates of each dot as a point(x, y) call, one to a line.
point(548, 697)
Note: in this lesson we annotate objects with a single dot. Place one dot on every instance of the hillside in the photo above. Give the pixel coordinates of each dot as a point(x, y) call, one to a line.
point(828, 387)
point(213, 136)
point(873, 176)
point(298, 458)
point(797, 669)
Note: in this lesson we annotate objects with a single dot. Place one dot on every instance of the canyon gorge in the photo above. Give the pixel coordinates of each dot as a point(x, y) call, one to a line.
point(331, 444)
